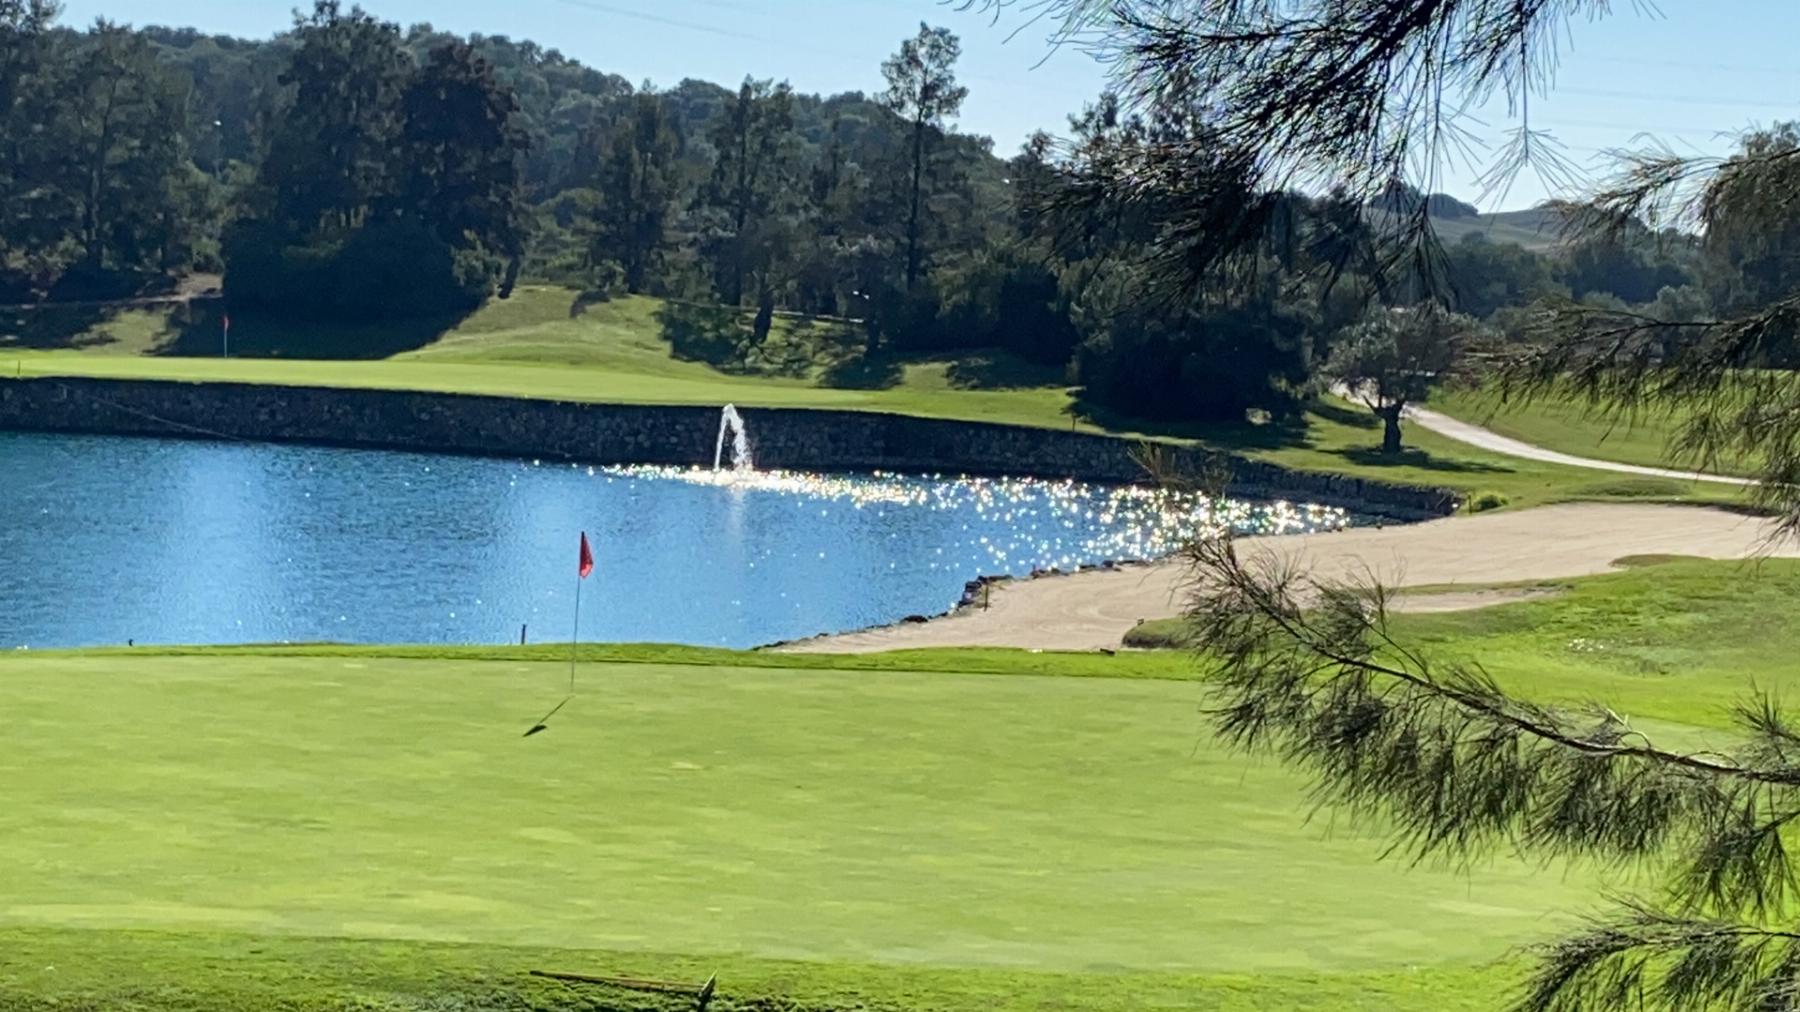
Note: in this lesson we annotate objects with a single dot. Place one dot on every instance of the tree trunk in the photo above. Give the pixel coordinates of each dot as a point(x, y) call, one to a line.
point(765, 317)
point(1390, 427)
point(734, 293)
point(912, 221)
point(90, 214)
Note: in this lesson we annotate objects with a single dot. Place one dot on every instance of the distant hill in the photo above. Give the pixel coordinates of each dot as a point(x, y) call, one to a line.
point(1539, 229)
point(1536, 228)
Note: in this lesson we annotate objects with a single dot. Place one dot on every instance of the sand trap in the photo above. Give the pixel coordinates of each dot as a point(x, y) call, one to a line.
point(1092, 611)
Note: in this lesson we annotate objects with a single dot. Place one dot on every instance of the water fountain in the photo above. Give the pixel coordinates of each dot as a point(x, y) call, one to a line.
point(733, 423)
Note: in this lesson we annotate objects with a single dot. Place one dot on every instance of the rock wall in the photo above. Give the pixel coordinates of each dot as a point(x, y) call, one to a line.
point(800, 439)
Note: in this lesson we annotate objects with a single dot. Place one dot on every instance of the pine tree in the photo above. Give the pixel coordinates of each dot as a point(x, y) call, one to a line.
point(753, 186)
point(922, 90)
point(640, 180)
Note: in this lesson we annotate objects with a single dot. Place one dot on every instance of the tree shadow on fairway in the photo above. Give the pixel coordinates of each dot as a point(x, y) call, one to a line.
point(1241, 435)
point(1344, 414)
point(587, 299)
point(999, 370)
point(862, 371)
point(51, 327)
point(199, 333)
point(724, 337)
point(1372, 456)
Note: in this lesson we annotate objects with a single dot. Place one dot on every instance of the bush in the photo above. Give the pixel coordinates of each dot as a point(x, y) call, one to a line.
point(1213, 364)
point(1481, 502)
point(397, 270)
point(1006, 297)
point(1161, 634)
point(909, 321)
point(383, 271)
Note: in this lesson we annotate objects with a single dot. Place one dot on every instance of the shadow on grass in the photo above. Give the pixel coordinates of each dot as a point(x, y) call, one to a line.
point(723, 337)
point(46, 328)
point(1409, 457)
point(585, 299)
point(861, 371)
point(998, 370)
point(199, 333)
point(1345, 415)
point(1240, 435)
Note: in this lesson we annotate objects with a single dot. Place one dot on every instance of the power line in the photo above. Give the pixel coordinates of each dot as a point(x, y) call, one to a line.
point(1667, 128)
point(1732, 68)
point(1681, 99)
point(667, 22)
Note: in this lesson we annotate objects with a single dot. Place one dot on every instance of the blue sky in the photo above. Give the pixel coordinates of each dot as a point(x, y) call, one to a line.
point(1689, 73)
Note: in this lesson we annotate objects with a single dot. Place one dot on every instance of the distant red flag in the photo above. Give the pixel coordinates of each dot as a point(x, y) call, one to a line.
point(587, 557)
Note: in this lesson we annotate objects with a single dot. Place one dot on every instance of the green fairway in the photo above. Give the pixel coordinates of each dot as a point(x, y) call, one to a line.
point(1575, 428)
point(540, 343)
point(545, 342)
point(1342, 438)
point(1673, 640)
point(903, 831)
point(45, 969)
point(874, 818)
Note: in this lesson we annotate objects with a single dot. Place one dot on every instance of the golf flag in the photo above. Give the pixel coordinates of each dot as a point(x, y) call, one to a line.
point(587, 557)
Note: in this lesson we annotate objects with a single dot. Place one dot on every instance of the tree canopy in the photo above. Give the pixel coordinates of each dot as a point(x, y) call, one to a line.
point(352, 169)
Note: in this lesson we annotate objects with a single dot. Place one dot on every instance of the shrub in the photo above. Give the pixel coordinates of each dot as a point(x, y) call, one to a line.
point(388, 270)
point(1481, 502)
point(1161, 634)
point(1204, 364)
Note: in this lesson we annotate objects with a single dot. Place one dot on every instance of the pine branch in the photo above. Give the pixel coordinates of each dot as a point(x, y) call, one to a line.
point(1651, 960)
point(1451, 765)
point(1726, 384)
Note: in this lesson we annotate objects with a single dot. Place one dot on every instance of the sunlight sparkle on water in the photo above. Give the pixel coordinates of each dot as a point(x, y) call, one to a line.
point(1134, 522)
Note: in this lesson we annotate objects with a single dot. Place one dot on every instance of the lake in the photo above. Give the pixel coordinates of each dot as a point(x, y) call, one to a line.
point(105, 540)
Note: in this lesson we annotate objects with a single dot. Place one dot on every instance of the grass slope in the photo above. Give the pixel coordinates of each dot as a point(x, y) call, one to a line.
point(1539, 229)
point(928, 840)
point(546, 342)
point(1569, 426)
point(1671, 640)
point(541, 343)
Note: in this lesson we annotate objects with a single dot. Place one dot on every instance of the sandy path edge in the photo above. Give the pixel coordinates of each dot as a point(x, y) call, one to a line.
point(1093, 610)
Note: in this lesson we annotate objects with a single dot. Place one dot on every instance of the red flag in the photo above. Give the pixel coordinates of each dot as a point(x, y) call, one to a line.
point(587, 557)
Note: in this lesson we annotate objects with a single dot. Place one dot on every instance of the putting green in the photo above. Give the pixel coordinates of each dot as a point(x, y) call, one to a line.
point(884, 818)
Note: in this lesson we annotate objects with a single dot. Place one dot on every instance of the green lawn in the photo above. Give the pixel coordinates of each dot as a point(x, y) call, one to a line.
point(339, 827)
point(1570, 426)
point(544, 342)
point(926, 838)
point(1674, 640)
point(1668, 639)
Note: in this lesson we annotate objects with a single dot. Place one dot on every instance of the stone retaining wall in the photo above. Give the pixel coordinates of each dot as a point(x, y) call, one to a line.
point(800, 439)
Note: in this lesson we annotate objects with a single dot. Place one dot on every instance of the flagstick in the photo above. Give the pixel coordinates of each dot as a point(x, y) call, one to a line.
point(575, 636)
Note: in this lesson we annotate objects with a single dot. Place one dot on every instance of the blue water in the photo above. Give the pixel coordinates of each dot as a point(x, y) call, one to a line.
point(104, 540)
